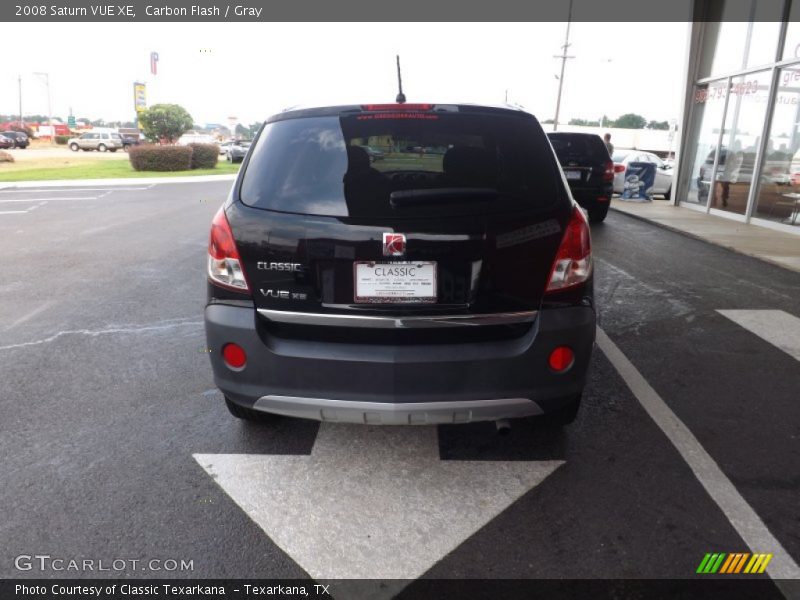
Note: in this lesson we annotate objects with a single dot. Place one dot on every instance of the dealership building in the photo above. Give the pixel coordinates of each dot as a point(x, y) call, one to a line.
point(740, 135)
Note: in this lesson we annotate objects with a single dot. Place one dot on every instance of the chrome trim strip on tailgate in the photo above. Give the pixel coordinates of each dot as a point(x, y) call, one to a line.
point(379, 322)
point(386, 413)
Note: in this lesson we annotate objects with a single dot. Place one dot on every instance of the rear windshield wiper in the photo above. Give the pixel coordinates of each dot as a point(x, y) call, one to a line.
point(437, 195)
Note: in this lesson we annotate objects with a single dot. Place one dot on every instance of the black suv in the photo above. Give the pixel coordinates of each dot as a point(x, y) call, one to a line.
point(446, 280)
point(588, 169)
point(19, 138)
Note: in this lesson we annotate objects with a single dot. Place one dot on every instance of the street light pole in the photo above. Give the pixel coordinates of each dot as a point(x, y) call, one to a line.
point(563, 56)
point(46, 78)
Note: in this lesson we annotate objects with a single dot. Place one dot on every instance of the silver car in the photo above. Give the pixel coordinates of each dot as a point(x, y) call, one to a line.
point(663, 180)
point(96, 141)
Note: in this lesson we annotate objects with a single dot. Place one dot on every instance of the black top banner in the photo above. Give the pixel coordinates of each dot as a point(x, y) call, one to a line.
point(392, 10)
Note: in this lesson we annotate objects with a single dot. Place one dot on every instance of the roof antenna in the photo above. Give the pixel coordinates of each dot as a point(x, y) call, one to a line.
point(401, 97)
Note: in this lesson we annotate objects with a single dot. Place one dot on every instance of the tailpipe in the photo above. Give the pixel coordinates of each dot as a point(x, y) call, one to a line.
point(503, 426)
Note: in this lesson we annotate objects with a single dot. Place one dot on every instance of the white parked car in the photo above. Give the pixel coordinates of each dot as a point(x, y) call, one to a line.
point(663, 180)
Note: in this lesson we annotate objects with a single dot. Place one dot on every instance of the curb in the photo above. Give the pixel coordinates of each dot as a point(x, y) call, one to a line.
point(4, 185)
point(694, 236)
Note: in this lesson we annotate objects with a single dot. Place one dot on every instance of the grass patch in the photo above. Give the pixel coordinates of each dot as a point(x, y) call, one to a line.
point(48, 169)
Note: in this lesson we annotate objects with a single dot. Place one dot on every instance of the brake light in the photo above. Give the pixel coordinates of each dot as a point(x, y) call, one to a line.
point(608, 174)
point(224, 266)
point(573, 263)
point(396, 107)
point(618, 168)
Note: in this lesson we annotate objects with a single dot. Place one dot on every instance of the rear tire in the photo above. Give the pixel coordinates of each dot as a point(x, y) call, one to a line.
point(102, 148)
point(74, 147)
point(563, 416)
point(597, 214)
point(247, 414)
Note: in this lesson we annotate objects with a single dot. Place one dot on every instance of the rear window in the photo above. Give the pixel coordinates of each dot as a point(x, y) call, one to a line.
point(586, 147)
point(401, 164)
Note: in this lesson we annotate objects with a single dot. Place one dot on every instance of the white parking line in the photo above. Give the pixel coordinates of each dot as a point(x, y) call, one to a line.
point(17, 200)
point(779, 328)
point(22, 212)
point(67, 190)
point(740, 514)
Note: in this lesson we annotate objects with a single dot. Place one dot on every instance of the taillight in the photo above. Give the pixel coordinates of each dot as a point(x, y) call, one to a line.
point(396, 107)
point(573, 263)
point(619, 168)
point(224, 266)
point(608, 173)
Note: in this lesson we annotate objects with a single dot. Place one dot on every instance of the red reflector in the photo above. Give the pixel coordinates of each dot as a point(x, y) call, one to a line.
point(561, 359)
point(619, 168)
point(602, 199)
point(234, 356)
point(397, 107)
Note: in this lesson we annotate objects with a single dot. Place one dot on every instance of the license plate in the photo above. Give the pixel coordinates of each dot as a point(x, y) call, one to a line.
point(393, 282)
point(572, 174)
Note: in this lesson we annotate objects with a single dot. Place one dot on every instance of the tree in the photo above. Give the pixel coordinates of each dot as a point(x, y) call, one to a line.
point(165, 122)
point(631, 121)
point(253, 128)
point(661, 125)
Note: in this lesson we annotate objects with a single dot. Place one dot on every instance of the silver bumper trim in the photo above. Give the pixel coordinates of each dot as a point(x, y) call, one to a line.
point(380, 322)
point(384, 413)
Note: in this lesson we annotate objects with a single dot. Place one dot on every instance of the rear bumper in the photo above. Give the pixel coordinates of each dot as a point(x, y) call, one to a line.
point(589, 197)
point(401, 384)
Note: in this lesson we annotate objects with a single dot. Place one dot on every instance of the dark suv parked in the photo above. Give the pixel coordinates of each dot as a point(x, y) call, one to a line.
point(19, 138)
point(588, 170)
point(448, 281)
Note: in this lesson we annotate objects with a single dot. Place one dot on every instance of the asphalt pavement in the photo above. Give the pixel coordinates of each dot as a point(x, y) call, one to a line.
point(116, 444)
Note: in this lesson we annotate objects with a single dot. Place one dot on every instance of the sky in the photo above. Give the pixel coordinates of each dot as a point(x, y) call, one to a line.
point(253, 70)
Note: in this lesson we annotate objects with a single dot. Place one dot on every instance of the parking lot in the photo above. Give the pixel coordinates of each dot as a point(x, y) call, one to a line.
point(118, 445)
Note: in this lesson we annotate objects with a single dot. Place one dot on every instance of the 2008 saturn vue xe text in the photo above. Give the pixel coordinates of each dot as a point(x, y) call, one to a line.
point(401, 264)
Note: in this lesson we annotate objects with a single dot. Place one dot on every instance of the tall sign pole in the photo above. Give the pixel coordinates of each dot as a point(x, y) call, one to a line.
point(139, 100)
point(563, 56)
point(21, 122)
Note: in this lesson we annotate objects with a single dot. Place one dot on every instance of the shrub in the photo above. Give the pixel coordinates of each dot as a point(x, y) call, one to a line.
point(204, 156)
point(62, 139)
point(6, 156)
point(160, 158)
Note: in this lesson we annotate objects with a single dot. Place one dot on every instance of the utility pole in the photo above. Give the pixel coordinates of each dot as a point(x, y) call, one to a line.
point(21, 122)
point(46, 78)
point(563, 56)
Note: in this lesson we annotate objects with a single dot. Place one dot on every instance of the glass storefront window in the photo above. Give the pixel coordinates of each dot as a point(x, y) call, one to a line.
point(763, 43)
point(779, 191)
point(740, 34)
point(709, 104)
point(747, 109)
point(791, 47)
point(723, 48)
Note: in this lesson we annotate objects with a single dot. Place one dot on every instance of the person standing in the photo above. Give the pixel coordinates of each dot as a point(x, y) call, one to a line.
point(609, 145)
